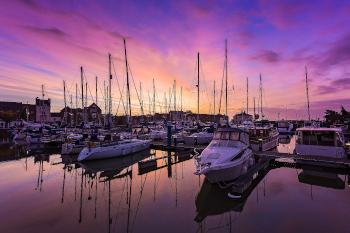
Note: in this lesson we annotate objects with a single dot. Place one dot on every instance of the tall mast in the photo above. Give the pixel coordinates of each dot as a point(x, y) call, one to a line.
point(76, 103)
point(261, 101)
point(154, 98)
point(214, 100)
point(109, 90)
point(181, 99)
point(197, 87)
point(226, 78)
point(82, 91)
point(86, 94)
point(65, 102)
point(254, 110)
point(141, 100)
point(307, 94)
point(247, 96)
point(175, 96)
point(96, 91)
point(127, 79)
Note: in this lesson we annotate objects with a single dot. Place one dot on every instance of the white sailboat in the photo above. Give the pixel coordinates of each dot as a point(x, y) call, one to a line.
point(120, 147)
point(227, 157)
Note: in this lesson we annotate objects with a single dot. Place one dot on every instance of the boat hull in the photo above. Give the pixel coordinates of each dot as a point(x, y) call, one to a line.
point(265, 145)
point(112, 151)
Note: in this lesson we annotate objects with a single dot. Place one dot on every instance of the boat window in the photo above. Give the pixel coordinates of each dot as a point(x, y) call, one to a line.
point(217, 135)
point(225, 136)
point(234, 136)
point(318, 138)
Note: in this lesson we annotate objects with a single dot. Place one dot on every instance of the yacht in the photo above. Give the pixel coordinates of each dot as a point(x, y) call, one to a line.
point(200, 138)
point(324, 142)
point(227, 156)
point(284, 127)
point(263, 137)
point(113, 149)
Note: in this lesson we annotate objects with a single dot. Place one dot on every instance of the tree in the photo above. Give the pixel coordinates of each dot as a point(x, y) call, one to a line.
point(333, 117)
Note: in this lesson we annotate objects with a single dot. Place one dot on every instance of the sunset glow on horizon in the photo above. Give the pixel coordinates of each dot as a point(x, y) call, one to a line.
point(46, 42)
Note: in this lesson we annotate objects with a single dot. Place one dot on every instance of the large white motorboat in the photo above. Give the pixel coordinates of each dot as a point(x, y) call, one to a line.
point(227, 156)
point(200, 138)
point(263, 137)
point(324, 142)
point(284, 127)
point(113, 149)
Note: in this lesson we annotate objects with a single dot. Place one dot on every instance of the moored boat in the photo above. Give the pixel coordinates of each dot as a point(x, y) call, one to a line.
point(227, 157)
point(113, 149)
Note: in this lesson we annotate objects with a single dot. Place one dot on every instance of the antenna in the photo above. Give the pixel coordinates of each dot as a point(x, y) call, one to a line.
point(307, 94)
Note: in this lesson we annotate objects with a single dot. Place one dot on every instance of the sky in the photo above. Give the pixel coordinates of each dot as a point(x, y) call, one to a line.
point(46, 42)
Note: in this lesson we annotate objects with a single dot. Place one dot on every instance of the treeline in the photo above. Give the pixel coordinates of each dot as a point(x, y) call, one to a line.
point(334, 117)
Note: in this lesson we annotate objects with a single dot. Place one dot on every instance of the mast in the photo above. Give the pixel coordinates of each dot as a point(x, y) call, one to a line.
point(154, 98)
point(307, 94)
point(76, 103)
point(82, 92)
point(181, 98)
point(254, 110)
point(141, 98)
point(65, 102)
point(261, 102)
point(214, 100)
point(197, 87)
point(109, 90)
point(247, 96)
point(96, 91)
point(226, 78)
point(86, 87)
point(127, 80)
point(175, 95)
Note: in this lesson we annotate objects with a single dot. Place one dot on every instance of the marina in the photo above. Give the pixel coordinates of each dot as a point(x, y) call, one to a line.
point(174, 116)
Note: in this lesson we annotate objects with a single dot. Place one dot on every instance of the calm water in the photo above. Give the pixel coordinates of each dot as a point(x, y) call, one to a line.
point(47, 194)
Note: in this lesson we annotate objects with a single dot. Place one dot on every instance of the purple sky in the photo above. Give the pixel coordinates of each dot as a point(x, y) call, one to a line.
point(45, 42)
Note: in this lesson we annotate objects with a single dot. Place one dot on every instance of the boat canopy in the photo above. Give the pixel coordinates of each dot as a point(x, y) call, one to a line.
point(320, 136)
point(232, 134)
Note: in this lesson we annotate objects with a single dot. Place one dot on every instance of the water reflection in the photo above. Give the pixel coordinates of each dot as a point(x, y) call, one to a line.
point(157, 192)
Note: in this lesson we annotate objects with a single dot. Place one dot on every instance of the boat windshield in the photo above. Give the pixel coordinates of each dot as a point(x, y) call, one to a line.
point(325, 138)
point(226, 138)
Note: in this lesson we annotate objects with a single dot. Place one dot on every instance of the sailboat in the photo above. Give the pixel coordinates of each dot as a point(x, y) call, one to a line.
point(319, 141)
point(263, 135)
point(117, 148)
point(205, 136)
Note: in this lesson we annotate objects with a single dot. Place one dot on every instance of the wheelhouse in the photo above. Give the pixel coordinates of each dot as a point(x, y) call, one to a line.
point(231, 134)
point(320, 137)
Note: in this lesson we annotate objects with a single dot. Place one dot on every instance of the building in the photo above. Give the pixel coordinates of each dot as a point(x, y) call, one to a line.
point(42, 110)
point(38, 112)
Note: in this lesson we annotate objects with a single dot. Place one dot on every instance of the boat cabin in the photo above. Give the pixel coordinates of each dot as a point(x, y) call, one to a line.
point(231, 134)
point(320, 136)
point(262, 132)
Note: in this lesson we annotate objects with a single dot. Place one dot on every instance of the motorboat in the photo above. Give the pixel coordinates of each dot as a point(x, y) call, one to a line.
point(323, 142)
point(227, 157)
point(200, 138)
point(263, 137)
point(284, 127)
point(113, 149)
